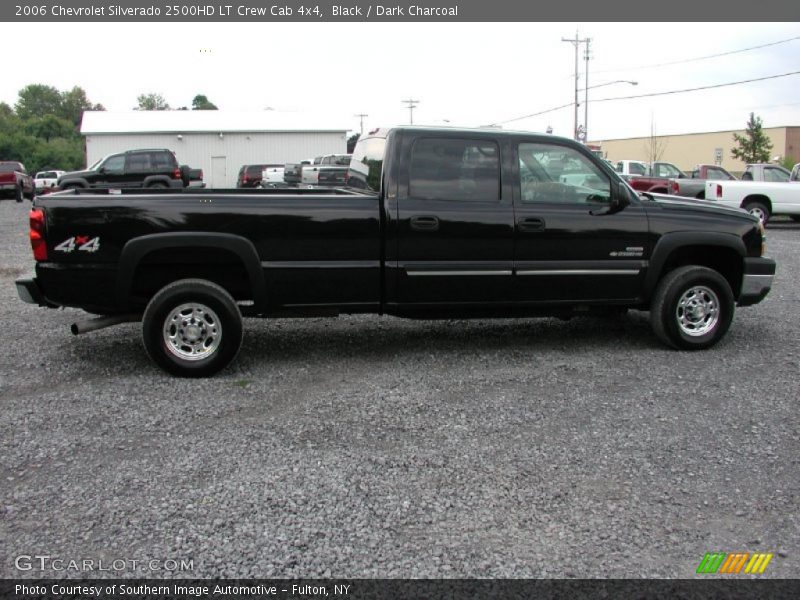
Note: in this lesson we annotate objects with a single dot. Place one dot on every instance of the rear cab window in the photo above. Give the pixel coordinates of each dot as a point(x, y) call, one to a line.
point(366, 163)
point(455, 169)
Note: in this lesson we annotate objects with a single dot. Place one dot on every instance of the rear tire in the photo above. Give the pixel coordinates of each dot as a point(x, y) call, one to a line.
point(692, 308)
point(795, 218)
point(192, 328)
point(758, 209)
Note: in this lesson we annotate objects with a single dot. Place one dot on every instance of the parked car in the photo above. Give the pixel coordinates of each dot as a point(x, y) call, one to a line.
point(631, 167)
point(644, 177)
point(272, 176)
point(192, 177)
point(334, 167)
point(145, 168)
point(250, 175)
point(762, 199)
point(795, 175)
point(46, 180)
point(434, 223)
point(15, 181)
point(695, 185)
point(765, 172)
point(293, 172)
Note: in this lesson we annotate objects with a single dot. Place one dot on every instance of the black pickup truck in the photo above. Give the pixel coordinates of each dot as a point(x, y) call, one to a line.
point(433, 223)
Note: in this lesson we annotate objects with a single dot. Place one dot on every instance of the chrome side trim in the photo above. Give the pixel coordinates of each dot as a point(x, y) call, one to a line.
point(456, 273)
point(581, 272)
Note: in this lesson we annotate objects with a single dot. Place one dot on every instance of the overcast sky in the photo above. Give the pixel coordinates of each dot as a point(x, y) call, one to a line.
point(463, 73)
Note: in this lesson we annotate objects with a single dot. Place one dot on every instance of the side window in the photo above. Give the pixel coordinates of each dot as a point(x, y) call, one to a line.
point(773, 174)
point(551, 173)
point(115, 164)
point(138, 163)
point(160, 161)
point(637, 169)
point(455, 169)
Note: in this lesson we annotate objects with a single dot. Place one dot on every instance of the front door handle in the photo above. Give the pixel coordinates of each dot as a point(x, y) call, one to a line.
point(424, 223)
point(531, 224)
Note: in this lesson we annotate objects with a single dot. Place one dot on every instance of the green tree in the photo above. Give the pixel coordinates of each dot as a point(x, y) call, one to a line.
point(49, 127)
point(754, 145)
point(36, 100)
point(351, 142)
point(201, 102)
point(151, 102)
point(73, 103)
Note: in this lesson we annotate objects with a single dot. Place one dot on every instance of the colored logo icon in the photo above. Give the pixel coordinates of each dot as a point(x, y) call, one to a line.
point(734, 563)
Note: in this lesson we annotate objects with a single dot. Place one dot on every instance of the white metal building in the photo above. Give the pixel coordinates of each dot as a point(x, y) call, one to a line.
point(218, 142)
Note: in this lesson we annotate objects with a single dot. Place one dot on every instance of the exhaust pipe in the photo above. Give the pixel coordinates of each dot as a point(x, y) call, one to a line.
point(101, 323)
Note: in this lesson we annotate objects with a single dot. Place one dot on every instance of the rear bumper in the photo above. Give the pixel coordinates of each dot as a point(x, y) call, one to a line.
point(756, 280)
point(30, 292)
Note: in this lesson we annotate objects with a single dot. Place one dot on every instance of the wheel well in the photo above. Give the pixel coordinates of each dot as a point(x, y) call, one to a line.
point(701, 195)
point(758, 198)
point(161, 267)
point(726, 261)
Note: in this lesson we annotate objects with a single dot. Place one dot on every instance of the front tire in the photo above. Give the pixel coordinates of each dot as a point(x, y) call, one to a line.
point(692, 308)
point(192, 328)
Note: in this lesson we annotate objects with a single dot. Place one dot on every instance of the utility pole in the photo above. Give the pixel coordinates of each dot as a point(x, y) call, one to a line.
point(361, 117)
point(586, 57)
point(411, 106)
point(576, 43)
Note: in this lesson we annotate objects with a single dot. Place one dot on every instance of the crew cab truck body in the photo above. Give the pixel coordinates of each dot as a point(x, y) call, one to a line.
point(434, 223)
point(15, 181)
point(695, 186)
point(762, 199)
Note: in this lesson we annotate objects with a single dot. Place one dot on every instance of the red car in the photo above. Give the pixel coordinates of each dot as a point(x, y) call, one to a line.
point(15, 181)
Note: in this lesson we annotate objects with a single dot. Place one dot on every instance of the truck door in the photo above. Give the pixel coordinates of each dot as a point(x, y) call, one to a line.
point(568, 246)
point(455, 223)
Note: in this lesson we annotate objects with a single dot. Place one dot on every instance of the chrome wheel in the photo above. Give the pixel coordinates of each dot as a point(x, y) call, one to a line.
point(192, 331)
point(697, 311)
point(759, 212)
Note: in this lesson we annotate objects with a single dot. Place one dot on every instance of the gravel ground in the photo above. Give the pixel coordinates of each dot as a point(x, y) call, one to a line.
point(366, 447)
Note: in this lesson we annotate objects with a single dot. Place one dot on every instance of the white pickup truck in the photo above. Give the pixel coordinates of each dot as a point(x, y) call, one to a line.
point(762, 199)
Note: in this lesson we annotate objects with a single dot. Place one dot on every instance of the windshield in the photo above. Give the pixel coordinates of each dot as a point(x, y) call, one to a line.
point(96, 164)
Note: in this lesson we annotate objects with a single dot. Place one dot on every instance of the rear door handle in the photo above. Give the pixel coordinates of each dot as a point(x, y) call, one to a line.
point(531, 224)
point(424, 223)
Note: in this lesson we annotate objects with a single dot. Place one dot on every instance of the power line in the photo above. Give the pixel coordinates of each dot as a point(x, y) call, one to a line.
point(705, 87)
point(699, 58)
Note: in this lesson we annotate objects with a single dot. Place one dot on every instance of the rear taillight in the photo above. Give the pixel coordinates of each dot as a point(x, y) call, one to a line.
point(244, 178)
point(719, 191)
point(38, 243)
point(676, 188)
point(176, 174)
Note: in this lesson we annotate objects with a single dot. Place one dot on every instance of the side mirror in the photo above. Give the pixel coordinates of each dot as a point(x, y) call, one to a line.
point(620, 198)
point(101, 170)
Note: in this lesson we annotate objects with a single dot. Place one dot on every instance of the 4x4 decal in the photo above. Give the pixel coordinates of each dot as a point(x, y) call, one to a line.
point(81, 242)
